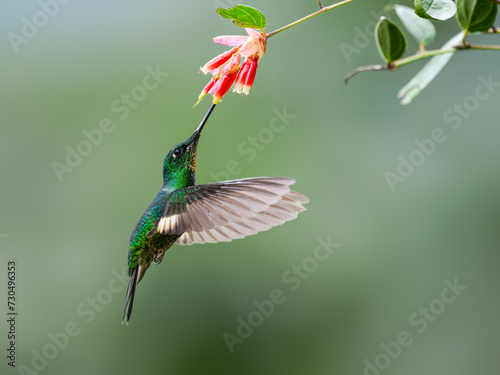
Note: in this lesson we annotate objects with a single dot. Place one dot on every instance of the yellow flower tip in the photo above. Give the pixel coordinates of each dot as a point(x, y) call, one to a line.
point(202, 95)
point(199, 99)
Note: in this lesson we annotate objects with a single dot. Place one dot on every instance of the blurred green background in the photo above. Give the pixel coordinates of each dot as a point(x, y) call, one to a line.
point(397, 248)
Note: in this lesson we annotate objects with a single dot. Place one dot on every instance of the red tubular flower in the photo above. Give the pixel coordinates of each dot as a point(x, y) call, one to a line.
point(222, 86)
point(225, 67)
point(246, 76)
point(222, 79)
point(226, 79)
point(207, 89)
point(220, 60)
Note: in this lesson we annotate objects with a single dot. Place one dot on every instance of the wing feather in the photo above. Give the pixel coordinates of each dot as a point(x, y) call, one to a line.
point(221, 212)
point(241, 208)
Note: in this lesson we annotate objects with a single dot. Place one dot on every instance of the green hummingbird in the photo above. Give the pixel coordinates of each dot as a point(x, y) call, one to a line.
point(183, 213)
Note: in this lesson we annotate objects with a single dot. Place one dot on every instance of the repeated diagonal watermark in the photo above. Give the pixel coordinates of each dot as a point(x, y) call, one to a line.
point(454, 118)
point(121, 107)
point(225, 4)
point(85, 313)
point(255, 143)
point(363, 37)
point(30, 25)
point(419, 321)
point(292, 278)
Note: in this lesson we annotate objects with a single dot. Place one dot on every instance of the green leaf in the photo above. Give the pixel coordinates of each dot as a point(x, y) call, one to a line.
point(476, 15)
point(422, 30)
point(435, 9)
point(428, 72)
point(391, 41)
point(244, 16)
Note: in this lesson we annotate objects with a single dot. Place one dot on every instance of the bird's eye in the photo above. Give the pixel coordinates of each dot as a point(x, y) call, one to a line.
point(178, 152)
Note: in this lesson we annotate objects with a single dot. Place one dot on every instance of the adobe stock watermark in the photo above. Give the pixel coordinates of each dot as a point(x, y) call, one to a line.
point(419, 321)
point(121, 107)
point(292, 278)
point(30, 26)
point(249, 148)
point(454, 117)
point(87, 312)
point(225, 4)
point(363, 37)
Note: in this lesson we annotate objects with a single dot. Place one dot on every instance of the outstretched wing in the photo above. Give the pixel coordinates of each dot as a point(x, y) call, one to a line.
point(221, 212)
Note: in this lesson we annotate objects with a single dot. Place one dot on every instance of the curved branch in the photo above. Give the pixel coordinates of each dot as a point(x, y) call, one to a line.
point(364, 69)
point(322, 10)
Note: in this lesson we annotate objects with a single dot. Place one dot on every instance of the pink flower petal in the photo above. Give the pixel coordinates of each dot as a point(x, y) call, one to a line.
point(253, 33)
point(230, 40)
point(217, 61)
point(255, 44)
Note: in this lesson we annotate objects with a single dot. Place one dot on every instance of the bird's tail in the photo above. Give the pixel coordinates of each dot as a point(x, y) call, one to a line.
point(129, 301)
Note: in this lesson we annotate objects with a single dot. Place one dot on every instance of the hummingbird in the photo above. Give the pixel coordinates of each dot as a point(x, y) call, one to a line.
point(183, 213)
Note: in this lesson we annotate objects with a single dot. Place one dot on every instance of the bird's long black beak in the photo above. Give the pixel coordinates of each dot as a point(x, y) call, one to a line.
point(197, 132)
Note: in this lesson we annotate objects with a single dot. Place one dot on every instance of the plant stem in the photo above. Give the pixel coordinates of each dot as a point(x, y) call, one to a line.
point(322, 10)
point(418, 56)
point(483, 47)
point(421, 55)
point(465, 36)
point(426, 54)
point(364, 69)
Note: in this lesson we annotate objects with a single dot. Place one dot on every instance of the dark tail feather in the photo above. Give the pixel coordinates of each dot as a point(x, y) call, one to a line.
point(129, 301)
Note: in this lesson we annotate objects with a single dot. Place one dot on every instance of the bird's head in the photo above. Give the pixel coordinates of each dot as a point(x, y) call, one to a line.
point(179, 166)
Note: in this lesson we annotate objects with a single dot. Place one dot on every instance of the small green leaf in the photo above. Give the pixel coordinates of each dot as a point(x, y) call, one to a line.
point(435, 9)
point(391, 41)
point(422, 30)
point(244, 16)
point(428, 72)
point(476, 15)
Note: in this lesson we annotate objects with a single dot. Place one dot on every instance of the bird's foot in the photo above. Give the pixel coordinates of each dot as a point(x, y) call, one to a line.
point(159, 256)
